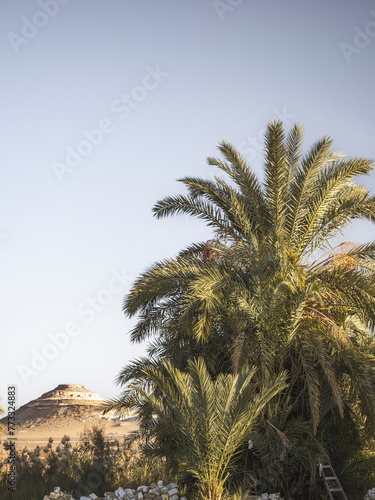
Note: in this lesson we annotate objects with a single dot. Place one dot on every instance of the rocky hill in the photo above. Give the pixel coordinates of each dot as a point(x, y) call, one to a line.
point(67, 409)
point(65, 401)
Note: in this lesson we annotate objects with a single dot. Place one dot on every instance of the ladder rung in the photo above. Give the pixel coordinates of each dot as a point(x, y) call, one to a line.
point(335, 485)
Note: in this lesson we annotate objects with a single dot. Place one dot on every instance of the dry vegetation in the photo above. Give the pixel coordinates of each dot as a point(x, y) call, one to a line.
point(97, 464)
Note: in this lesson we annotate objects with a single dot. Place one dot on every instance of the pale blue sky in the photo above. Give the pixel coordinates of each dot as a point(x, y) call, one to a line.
point(197, 72)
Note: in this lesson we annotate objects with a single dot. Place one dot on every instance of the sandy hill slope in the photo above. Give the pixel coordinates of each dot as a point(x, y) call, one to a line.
point(67, 409)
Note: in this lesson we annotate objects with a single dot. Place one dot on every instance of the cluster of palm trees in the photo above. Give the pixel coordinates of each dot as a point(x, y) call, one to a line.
point(263, 332)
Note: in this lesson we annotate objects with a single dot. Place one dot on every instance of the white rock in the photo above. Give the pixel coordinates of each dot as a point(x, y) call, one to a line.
point(172, 497)
point(171, 486)
point(93, 496)
point(160, 484)
point(173, 491)
point(120, 493)
point(139, 495)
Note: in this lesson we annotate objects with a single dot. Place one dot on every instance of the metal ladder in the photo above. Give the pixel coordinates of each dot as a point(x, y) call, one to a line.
point(331, 481)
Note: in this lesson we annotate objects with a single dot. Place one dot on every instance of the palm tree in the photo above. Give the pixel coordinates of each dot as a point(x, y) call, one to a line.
point(270, 289)
point(203, 423)
point(257, 278)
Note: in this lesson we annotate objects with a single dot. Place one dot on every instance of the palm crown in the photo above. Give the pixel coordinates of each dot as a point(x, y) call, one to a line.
point(207, 421)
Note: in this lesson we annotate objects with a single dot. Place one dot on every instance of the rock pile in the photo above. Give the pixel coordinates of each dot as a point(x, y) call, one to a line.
point(267, 496)
point(156, 491)
point(57, 494)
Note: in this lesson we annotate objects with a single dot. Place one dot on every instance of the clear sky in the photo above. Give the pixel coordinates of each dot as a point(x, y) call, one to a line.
point(104, 105)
